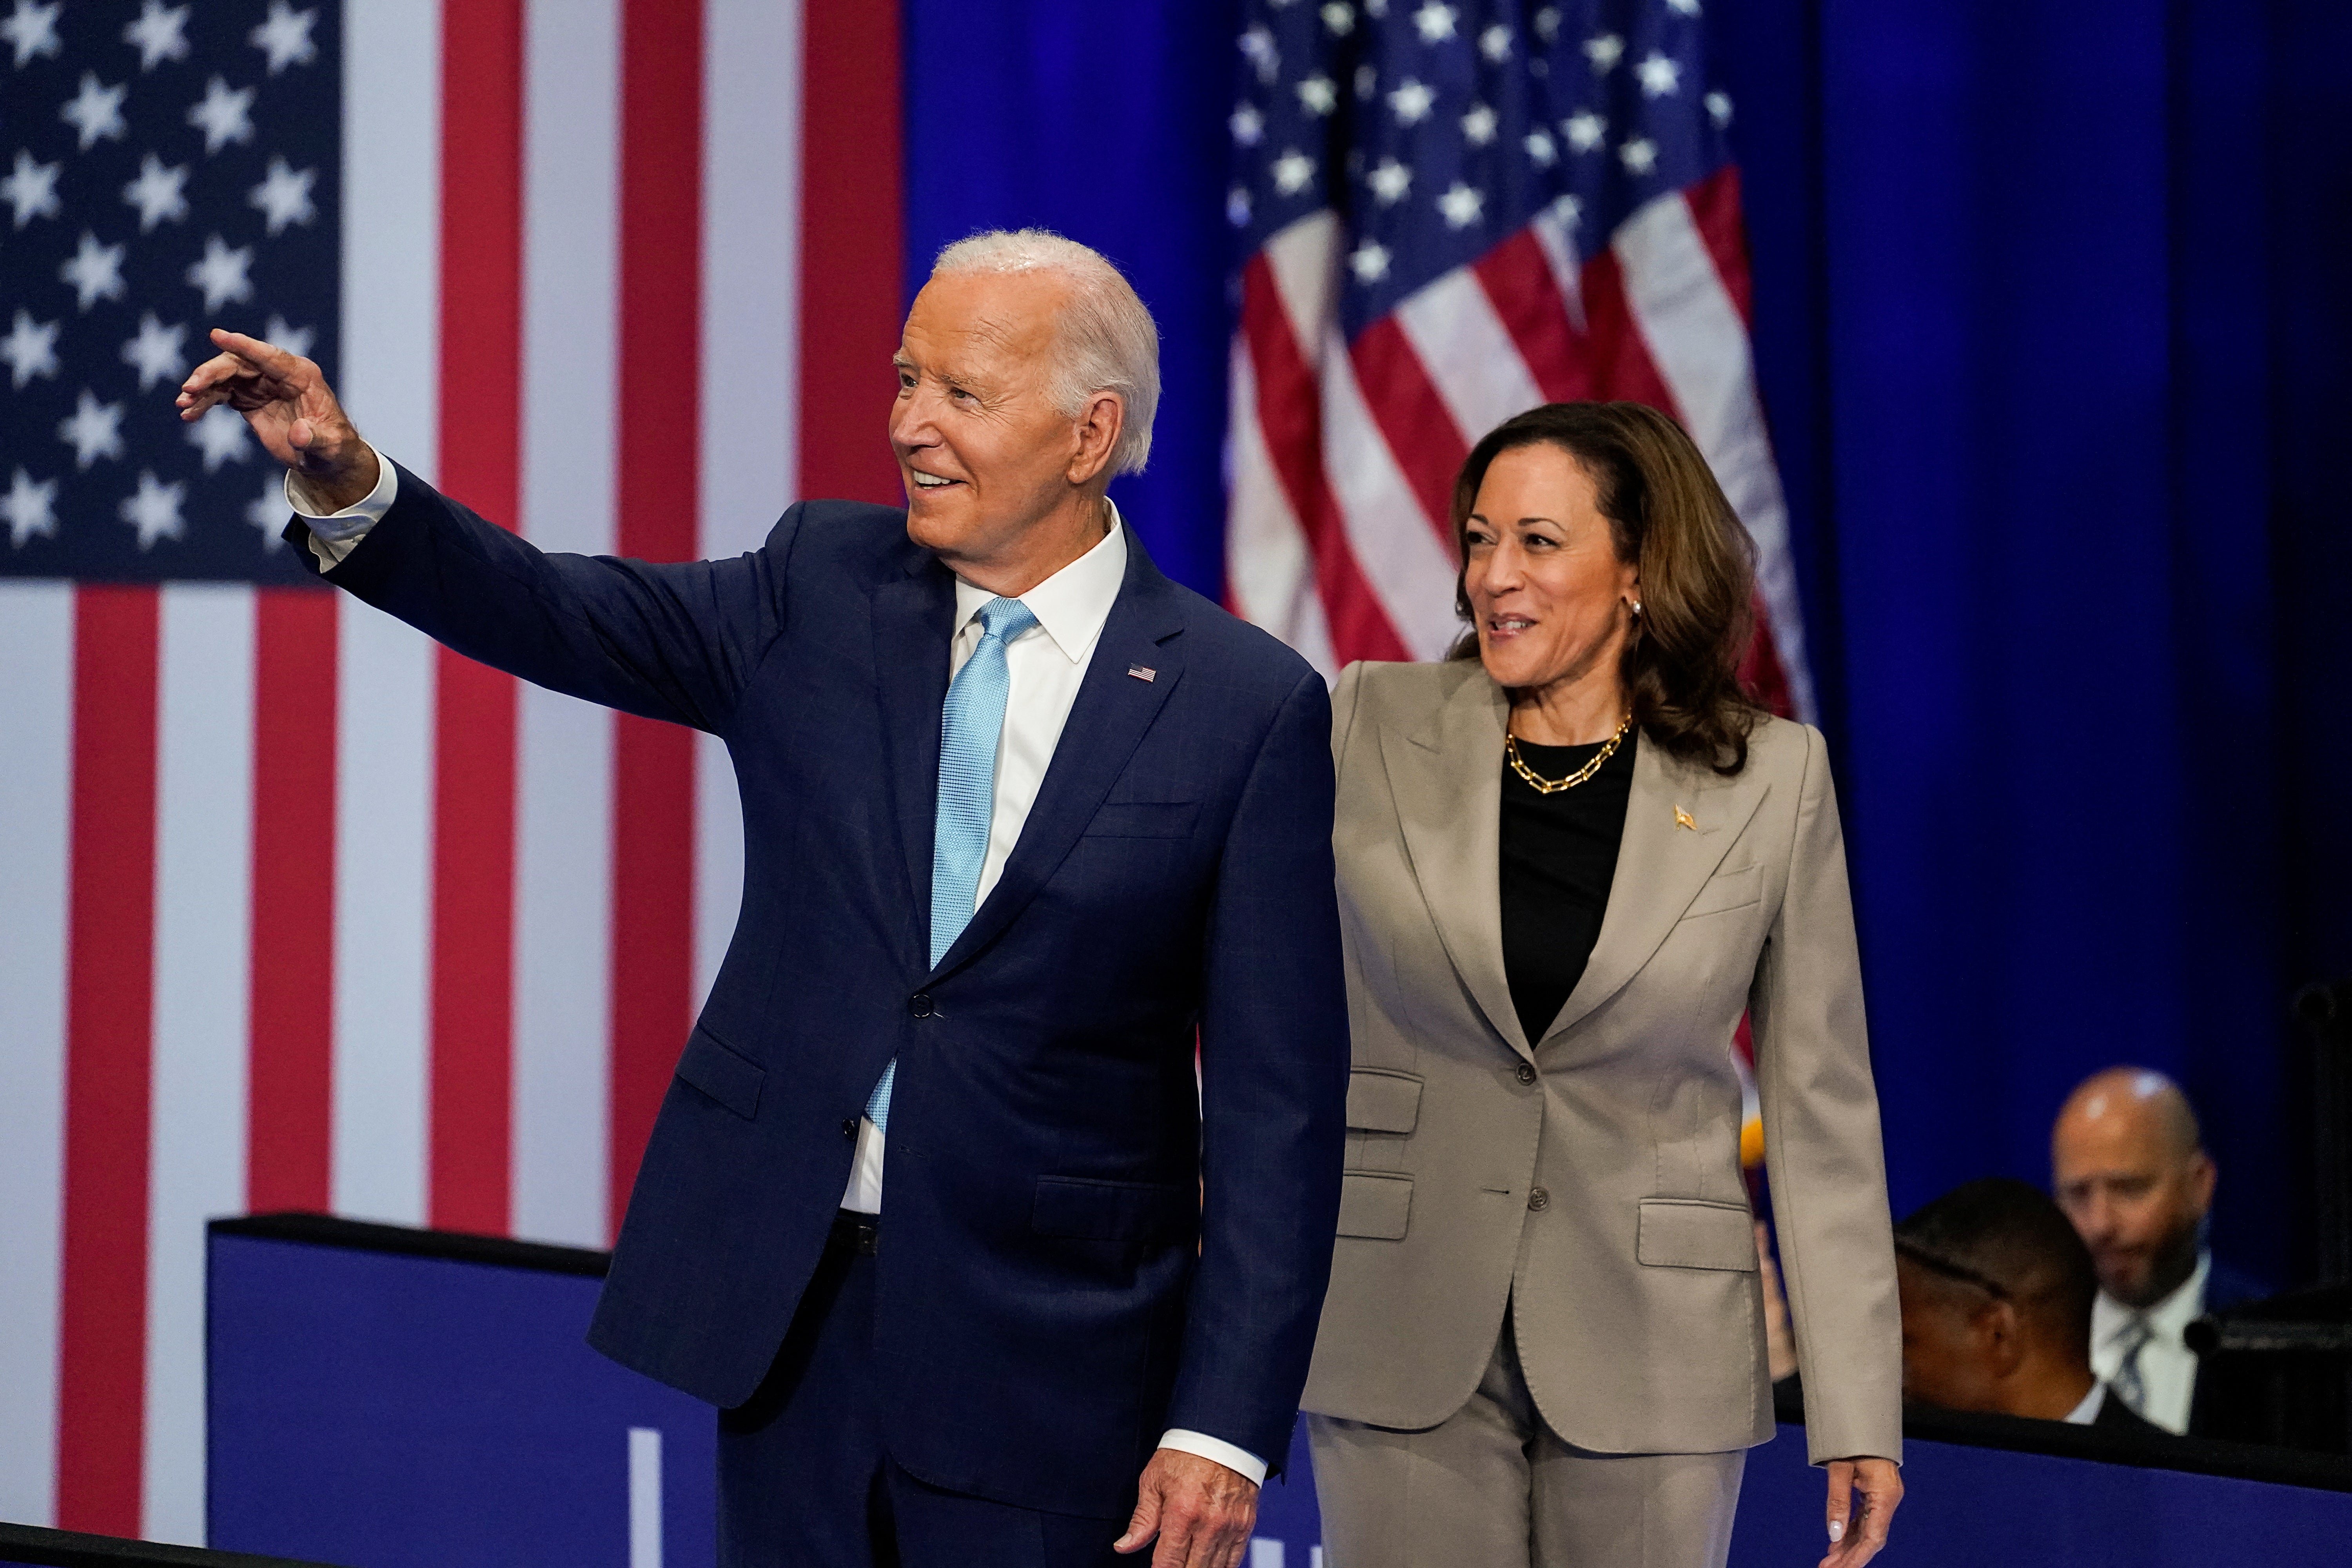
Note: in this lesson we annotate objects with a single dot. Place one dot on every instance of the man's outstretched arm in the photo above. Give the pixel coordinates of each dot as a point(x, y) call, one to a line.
point(672, 642)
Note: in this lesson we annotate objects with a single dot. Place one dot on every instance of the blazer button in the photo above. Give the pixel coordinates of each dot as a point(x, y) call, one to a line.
point(1538, 1200)
point(1527, 1073)
point(849, 1127)
point(919, 1003)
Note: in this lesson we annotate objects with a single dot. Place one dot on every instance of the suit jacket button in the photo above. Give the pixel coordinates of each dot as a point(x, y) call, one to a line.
point(1527, 1073)
point(849, 1127)
point(1538, 1200)
point(919, 1003)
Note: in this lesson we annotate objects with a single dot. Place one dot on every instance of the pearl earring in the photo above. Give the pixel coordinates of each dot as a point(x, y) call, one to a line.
point(1637, 607)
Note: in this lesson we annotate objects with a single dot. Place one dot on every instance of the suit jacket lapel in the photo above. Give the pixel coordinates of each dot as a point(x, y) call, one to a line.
point(913, 618)
point(1106, 723)
point(1447, 781)
point(1661, 867)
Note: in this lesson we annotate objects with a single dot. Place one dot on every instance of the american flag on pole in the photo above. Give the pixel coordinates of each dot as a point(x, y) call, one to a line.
point(298, 911)
point(1452, 213)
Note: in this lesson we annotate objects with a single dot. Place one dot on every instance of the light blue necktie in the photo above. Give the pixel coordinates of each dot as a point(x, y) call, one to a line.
point(968, 735)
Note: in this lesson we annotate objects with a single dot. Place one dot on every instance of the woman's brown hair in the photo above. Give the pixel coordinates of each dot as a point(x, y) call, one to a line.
point(1667, 516)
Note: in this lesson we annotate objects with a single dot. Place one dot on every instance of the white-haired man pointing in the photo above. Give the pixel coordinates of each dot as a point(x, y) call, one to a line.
point(934, 1211)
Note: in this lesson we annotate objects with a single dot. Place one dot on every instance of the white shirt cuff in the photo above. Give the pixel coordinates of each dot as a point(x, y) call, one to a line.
point(334, 534)
point(1240, 1461)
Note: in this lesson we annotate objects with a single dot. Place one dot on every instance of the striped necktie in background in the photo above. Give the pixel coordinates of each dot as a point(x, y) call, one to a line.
point(2130, 1382)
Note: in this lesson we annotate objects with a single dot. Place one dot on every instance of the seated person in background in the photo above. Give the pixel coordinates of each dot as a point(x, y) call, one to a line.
point(1996, 1291)
point(2131, 1172)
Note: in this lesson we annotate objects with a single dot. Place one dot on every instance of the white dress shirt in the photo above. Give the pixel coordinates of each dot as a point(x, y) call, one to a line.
point(334, 533)
point(1046, 664)
point(2087, 1412)
point(2167, 1367)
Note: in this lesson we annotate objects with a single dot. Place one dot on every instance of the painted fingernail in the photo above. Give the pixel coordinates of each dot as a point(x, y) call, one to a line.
point(1837, 1530)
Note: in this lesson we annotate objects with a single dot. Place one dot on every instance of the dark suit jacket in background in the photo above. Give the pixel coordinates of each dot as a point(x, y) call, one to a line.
point(1041, 1313)
point(2225, 1288)
point(2115, 1415)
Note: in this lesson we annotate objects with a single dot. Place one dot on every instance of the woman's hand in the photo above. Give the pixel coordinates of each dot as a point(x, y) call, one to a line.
point(1856, 1534)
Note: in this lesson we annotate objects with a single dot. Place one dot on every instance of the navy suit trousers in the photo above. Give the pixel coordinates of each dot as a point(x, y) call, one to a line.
point(804, 1481)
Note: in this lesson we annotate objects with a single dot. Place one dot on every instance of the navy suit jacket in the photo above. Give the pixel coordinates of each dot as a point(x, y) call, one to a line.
point(1080, 1247)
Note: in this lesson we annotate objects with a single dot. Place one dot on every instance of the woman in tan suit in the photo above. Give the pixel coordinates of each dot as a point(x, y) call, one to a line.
point(1569, 858)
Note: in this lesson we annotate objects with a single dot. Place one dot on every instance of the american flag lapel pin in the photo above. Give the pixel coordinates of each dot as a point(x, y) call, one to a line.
point(1142, 672)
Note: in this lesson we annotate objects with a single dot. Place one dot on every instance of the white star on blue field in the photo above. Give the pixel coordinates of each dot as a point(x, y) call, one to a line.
point(163, 170)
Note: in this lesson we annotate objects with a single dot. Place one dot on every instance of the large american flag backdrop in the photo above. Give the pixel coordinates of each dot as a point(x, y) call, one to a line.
point(1452, 213)
point(297, 911)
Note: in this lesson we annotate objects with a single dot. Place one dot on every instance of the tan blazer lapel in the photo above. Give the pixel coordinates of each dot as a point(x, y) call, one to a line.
point(1447, 781)
point(1680, 822)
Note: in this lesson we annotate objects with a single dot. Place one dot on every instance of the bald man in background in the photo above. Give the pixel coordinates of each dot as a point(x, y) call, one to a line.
point(2129, 1167)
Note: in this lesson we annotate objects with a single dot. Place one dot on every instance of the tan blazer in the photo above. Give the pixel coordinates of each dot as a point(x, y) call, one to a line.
point(1592, 1178)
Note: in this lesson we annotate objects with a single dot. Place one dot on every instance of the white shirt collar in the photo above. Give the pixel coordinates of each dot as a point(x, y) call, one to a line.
point(2168, 1321)
point(1074, 603)
point(2082, 1415)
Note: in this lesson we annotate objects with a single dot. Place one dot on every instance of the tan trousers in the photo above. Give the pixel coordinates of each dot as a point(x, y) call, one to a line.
point(1491, 1487)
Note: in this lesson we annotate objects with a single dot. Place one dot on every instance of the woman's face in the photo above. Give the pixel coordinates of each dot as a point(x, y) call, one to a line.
point(1551, 598)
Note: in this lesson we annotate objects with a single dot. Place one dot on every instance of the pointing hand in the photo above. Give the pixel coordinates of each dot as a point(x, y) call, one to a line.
point(292, 411)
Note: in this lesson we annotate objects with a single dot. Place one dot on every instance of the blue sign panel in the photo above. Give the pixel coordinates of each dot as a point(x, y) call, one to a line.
point(385, 1398)
point(1966, 1506)
point(382, 1410)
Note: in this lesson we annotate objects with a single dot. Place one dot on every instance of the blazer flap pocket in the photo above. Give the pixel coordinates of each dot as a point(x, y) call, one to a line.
point(1144, 819)
point(732, 1080)
point(1095, 1210)
point(1375, 1204)
point(1728, 890)
point(1693, 1233)
point(1380, 1100)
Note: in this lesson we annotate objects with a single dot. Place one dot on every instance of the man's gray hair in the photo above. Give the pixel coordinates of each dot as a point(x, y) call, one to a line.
point(1109, 342)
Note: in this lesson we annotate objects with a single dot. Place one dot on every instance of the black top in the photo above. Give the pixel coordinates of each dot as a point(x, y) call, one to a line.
point(1559, 853)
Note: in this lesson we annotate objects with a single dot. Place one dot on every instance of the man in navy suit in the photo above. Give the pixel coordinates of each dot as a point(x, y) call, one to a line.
point(1024, 822)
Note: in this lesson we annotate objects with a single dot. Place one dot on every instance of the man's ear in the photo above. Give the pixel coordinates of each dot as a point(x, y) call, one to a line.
point(1097, 429)
point(1996, 1328)
point(2202, 1175)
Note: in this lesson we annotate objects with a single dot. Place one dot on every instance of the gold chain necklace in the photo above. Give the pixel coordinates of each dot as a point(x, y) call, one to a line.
point(1543, 785)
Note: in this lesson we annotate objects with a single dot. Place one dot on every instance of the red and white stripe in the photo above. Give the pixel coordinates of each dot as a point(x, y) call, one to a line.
point(1344, 454)
point(298, 911)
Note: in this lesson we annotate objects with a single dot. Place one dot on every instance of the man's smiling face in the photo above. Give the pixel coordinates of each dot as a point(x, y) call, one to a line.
point(982, 449)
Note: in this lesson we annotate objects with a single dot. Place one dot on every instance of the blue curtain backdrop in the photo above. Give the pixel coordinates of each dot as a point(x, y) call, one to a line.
point(2052, 321)
point(1105, 122)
